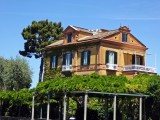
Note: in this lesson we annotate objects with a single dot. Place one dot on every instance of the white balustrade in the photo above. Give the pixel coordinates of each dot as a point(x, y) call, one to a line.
point(111, 66)
point(139, 68)
point(66, 67)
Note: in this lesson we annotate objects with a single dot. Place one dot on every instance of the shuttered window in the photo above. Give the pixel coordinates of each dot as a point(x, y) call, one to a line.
point(54, 61)
point(67, 59)
point(85, 58)
point(111, 57)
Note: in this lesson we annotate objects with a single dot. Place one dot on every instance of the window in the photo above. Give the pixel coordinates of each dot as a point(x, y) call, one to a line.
point(85, 58)
point(67, 59)
point(53, 61)
point(124, 37)
point(137, 59)
point(69, 37)
point(111, 57)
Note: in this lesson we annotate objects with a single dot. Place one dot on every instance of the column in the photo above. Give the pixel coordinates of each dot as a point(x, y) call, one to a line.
point(114, 109)
point(85, 106)
point(140, 108)
point(48, 106)
point(33, 107)
point(65, 106)
point(41, 111)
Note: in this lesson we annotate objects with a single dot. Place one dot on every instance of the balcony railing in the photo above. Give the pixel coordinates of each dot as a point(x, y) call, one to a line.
point(111, 66)
point(139, 68)
point(66, 67)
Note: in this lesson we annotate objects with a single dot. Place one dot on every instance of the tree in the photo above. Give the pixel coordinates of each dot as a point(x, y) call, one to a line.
point(38, 35)
point(2, 67)
point(17, 74)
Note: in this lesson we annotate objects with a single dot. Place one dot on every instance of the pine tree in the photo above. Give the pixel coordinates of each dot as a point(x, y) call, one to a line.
point(38, 35)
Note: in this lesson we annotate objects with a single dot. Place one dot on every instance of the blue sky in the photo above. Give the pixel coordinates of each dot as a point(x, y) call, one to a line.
point(142, 16)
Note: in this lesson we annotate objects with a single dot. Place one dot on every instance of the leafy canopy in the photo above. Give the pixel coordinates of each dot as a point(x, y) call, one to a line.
point(144, 83)
point(38, 35)
point(15, 74)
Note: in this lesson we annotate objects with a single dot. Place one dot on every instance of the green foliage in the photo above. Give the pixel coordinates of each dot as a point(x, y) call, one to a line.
point(15, 74)
point(13, 101)
point(2, 72)
point(144, 83)
point(40, 34)
point(92, 82)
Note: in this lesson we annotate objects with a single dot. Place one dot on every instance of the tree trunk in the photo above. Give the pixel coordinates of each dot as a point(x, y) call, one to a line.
point(41, 69)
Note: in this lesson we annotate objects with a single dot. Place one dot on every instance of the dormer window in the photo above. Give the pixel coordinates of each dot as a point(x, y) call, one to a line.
point(69, 37)
point(124, 37)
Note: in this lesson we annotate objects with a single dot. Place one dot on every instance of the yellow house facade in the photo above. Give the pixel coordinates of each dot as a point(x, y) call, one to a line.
point(107, 52)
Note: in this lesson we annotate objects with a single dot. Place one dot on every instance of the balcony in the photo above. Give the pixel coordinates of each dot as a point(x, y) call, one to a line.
point(66, 68)
point(111, 66)
point(139, 68)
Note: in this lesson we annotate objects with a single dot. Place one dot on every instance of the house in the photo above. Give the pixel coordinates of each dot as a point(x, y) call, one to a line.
point(107, 52)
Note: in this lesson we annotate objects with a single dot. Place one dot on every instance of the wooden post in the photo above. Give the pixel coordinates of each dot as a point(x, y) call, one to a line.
point(85, 106)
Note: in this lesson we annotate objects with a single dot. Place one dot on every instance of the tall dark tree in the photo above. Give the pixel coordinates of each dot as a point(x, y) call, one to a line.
point(38, 35)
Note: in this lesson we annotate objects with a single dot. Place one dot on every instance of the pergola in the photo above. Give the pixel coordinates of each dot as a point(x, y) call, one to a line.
point(87, 94)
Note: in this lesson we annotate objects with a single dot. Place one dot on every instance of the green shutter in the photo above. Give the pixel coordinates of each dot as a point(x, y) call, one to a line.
point(115, 57)
point(133, 59)
point(82, 57)
point(56, 61)
point(88, 57)
point(64, 59)
point(141, 60)
point(70, 58)
point(51, 58)
point(107, 56)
